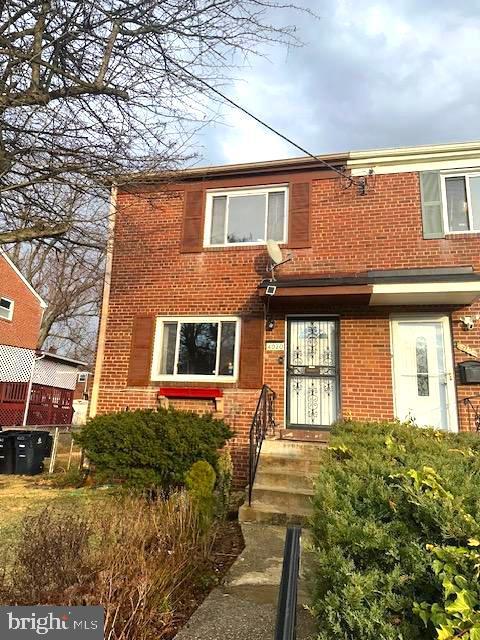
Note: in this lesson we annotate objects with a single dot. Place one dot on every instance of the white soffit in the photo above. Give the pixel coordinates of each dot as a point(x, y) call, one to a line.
point(436, 157)
point(421, 293)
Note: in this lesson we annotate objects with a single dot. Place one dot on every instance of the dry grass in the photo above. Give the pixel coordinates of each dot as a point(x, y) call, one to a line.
point(139, 560)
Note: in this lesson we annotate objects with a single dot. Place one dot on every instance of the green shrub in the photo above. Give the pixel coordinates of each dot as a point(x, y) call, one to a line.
point(224, 482)
point(200, 483)
point(148, 448)
point(385, 492)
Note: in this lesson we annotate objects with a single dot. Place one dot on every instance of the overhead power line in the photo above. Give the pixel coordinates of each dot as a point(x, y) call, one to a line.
point(238, 106)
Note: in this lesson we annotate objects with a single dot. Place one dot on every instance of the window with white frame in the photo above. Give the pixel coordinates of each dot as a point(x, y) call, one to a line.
point(196, 348)
point(246, 216)
point(461, 200)
point(6, 308)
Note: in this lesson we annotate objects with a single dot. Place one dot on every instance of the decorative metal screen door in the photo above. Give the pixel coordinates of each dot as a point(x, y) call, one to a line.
point(312, 372)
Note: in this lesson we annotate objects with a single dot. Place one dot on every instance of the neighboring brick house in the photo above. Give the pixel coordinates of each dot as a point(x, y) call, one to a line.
point(21, 308)
point(51, 378)
point(364, 322)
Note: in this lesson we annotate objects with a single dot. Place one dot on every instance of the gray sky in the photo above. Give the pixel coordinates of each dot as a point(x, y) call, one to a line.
point(370, 74)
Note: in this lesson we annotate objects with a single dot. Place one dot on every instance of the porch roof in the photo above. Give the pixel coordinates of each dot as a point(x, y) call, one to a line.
point(456, 286)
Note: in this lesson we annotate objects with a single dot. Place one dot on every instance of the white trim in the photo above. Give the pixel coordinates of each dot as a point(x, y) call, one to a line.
point(411, 159)
point(244, 191)
point(43, 304)
point(102, 329)
point(449, 364)
point(463, 293)
point(175, 377)
point(8, 318)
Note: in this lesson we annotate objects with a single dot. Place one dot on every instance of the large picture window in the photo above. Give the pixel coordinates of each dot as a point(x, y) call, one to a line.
point(246, 216)
point(461, 196)
point(196, 348)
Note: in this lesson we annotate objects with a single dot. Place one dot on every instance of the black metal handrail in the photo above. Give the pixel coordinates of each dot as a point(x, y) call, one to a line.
point(286, 625)
point(476, 409)
point(263, 422)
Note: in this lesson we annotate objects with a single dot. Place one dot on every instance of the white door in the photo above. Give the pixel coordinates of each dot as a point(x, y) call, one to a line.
point(423, 372)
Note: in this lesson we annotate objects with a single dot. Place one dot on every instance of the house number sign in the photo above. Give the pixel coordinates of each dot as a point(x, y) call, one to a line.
point(469, 350)
point(275, 346)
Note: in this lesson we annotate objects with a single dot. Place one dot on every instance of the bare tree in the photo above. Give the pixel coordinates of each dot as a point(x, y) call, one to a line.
point(91, 88)
point(69, 279)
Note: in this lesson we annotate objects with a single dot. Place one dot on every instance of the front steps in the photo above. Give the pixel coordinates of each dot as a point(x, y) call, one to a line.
point(284, 482)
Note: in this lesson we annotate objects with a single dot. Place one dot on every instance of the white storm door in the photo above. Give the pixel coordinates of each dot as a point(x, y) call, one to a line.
point(423, 372)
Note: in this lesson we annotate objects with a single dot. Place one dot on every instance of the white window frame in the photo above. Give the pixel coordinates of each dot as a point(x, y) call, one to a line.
point(244, 191)
point(9, 318)
point(183, 377)
point(466, 175)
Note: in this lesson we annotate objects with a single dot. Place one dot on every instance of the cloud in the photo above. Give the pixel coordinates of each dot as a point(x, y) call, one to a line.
point(371, 74)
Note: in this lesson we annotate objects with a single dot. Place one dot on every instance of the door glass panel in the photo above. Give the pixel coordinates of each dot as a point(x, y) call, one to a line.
point(422, 367)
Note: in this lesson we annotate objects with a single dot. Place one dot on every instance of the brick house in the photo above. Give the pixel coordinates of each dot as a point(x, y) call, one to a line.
point(51, 378)
point(370, 318)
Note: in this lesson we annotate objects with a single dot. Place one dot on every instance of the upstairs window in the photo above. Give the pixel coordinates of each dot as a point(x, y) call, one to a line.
point(6, 308)
point(246, 216)
point(196, 349)
point(461, 196)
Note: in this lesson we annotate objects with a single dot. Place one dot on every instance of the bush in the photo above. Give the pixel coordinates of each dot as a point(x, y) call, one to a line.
point(151, 448)
point(141, 561)
point(224, 483)
point(385, 494)
point(200, 483)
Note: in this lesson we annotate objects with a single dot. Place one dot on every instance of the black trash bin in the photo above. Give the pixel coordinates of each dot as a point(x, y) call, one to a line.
point(7, 453)
point(29, 452)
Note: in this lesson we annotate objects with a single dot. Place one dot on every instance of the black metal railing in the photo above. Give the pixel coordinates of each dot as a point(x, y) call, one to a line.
point(286, 625)
point(473, 409)
point(263, 423)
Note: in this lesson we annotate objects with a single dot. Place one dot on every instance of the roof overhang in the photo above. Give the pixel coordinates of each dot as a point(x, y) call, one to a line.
point(455, 286)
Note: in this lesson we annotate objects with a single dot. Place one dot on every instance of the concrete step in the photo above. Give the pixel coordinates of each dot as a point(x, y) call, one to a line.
point(268, 514)
point(292, 448)
point(285, 498)
point(288, 464)
point(272, 476)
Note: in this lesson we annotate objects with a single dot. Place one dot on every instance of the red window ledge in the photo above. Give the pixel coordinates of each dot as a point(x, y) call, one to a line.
point(202, 393)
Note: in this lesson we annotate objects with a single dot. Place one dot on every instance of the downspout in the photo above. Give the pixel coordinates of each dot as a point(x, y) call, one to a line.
point(102, 329)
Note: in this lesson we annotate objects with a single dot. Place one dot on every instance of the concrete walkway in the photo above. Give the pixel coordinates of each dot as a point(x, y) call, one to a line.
point(244, 606)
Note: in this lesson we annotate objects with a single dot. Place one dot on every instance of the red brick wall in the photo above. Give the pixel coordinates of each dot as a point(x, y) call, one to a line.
point(381, 230)
point(23, 329)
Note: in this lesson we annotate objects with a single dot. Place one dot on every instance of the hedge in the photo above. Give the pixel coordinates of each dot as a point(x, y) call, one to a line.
point(395, 530)
point(152, 448)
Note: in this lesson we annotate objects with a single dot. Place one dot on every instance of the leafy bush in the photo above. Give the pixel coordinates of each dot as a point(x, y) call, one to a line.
point(385, 494)
point(224, 482)
point(148, 448)
point(200, 483)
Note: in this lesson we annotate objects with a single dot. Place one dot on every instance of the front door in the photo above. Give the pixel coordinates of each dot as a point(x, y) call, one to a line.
point(312, 372)
point(423, 372)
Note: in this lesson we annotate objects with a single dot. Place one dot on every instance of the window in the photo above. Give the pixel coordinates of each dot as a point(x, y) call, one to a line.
point(196, 349)
point(6, 308)
point(82, 377)
point(461, 196)
point(246, 216)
